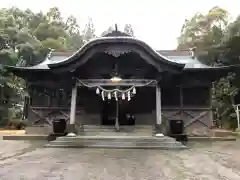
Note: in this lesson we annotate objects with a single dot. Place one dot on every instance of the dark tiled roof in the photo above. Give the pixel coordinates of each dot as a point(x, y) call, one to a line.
point(178, 59)
point(181, 57)
point(162, 52)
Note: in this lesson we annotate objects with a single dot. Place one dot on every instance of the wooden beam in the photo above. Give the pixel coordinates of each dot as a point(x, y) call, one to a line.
point(80, 109)
point(197, 119)
point(187, 108)
point(49, 84)
point(124, 82)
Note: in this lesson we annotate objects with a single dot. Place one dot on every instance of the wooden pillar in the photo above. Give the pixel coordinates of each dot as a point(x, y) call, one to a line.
point(71, 128)
point(211, 117)
point(158, 106)
point(117, 113)
point(181, 102)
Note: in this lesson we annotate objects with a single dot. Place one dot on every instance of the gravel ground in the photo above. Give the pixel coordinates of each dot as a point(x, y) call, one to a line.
point(213, 161)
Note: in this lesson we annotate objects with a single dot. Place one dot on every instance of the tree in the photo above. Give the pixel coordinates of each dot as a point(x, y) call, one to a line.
point(25, 40)
point(72, 26)
point(57, 44)
point(110, 29)
point(205, 32)
point(216, 42)
point(74, 40)
point(54, 16)
point(89, 31)
point(128, 29)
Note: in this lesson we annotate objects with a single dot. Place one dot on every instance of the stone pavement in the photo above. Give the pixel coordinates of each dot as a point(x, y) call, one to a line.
point(213, 161)
point(10, 149)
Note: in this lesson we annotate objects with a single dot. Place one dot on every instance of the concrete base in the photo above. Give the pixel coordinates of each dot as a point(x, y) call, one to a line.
point(221, 133)
point(213, 139)
point(28, 137)
point(40, 130)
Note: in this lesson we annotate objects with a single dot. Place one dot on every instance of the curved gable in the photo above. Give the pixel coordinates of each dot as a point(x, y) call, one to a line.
point(117, 46)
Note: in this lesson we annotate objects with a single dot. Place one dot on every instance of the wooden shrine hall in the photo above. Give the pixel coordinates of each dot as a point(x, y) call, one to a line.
point(117, 81)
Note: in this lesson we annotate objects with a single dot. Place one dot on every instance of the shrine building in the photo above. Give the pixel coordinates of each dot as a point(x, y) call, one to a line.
point(114, 77)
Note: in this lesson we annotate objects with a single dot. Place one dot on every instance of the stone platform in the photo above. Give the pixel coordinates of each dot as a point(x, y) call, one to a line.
point(118, 142)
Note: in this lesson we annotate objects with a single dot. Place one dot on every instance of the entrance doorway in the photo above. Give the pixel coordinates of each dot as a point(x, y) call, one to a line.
point(125, 115)
point(113, 109)
point(109, 112)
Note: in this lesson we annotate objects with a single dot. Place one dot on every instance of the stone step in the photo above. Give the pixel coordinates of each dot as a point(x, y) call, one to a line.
point(88, 129)
point(113, 141)
point(117, 138)
point(114, 130)
point(117, 142)
point(112, 126)
point(115, 133)
point(120, 130)
point(97, 130)
point(119, 147)
point(138, 127)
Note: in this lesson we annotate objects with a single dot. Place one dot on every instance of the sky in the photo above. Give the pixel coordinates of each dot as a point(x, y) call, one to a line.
point(157, 22)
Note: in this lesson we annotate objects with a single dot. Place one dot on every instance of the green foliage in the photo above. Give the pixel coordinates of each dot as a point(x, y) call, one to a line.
point(89, 31)
point(54, 44)
point(110, 29)
point(128, 29)
point(8, 56)
point(217, 41)
point(205, 32)
point(46, 30)
point(224, 92)
point(33, 33)
point(26, 38)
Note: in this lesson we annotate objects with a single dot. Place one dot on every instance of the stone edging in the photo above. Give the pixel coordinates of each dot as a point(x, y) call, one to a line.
point(212, 138)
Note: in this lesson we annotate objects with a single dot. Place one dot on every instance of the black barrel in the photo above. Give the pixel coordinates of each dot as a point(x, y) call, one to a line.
point(59, 126)
point(176, 126)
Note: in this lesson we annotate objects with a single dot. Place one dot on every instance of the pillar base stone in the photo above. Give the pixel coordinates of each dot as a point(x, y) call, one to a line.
point(71, 134)
point(71, 129)
point(159, 135)
point(158, 128)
